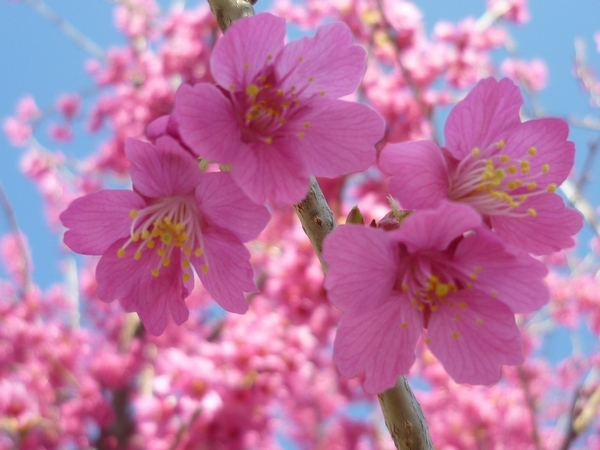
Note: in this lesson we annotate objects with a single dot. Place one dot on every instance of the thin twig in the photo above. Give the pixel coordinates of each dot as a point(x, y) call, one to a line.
point(531, 405)
point(67, 29)
point(14, 228)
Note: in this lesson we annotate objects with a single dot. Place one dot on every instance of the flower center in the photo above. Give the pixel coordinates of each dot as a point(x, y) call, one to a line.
point(495, 184)
point(170, 224)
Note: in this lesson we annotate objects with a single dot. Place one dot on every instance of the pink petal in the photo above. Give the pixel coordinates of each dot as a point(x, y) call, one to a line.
point(419, 173)
point(246, 49)
point(329, 59)
point(340, 138)
point(549, 138)
point(155, 319)
point(487, 337)
point(273, 172)
point(163, 170)
point(157, 128)
point(230, 273)
point(514, 278)
point(549, 231)
point(97, 220)
point(381, 342)
point(435, 229)
point(225, 205)
point(207, 122)
point(124, 277)
point(362, 267)
point(486, 115)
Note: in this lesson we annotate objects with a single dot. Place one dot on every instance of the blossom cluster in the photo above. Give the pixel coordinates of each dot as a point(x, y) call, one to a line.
point(457, 266)
point(273, 118)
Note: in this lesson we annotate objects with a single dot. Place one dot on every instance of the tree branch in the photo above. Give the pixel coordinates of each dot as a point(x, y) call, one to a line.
point(403, 415)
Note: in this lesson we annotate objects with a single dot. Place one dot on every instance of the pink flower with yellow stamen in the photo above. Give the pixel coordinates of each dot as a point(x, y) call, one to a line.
point(274, 115)
point(441, 274)
point(176, 220)
point(508, 171)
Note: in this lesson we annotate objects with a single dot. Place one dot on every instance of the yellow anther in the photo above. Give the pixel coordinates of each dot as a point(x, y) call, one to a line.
point(121, 252)
point(133, 213)
point(145, 234)
point(451, 304)
point(504, 158)
point(306, 124)
point(531, 186)
point(187, 251)
point(475, 151)
point(301, 134)
point(455, 335)
point(427, 341)
point(546, 168)
point(525, 166)
point(473, 276)
point(513, 185)
point(155, 273)
point(246, 66)
point(404, 287)
point(478, 269)
point(434, 308)
point(301, 59)
point(185, 264)
point(232, 87)
point(135, 237)
point(421, 307)
point(311, 79)
point(252, 90)
point(532, 212)
point(501, 143)
point(494, 293)
point(204, 269)
point(167, 262)
point(150, 244)
point(523, 197)
point(167, 220)
point(198, 252)
point(161, 252)
point(512, 170)
point(404, 325)
point(166, 238)
point(532, 151)
point(270, 57)
point(186, 277)
point(137, 256)
point(456, 317)
point(322, 93)
point(441, 290)
point(551, 187)
point(478, 322)
point(462, 305)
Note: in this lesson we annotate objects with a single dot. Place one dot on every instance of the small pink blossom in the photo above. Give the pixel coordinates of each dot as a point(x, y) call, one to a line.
point(440, 271)
point(68, 105)
point(532, 74)
point(506, 170)
point(274, 115)
point(150, 238)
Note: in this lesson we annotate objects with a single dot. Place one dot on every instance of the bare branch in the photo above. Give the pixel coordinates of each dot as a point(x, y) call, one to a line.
point(66, 28)
point(228, 11)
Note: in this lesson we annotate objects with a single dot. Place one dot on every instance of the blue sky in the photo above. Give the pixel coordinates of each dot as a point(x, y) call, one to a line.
point(36, 59)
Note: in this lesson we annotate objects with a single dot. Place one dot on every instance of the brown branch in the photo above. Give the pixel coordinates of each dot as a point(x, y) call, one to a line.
point(228, 11)
point(403, 415)
point(523, 378)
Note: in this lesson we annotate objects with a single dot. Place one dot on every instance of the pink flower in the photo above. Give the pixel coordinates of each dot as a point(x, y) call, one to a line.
point(274, 114)
point(150, 238)
point(433, 272)
point(506, 170)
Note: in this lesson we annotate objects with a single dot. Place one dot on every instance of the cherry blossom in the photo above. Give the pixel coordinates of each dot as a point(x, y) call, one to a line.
point(274, 114)
point(150, 238)
point(506, 170)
